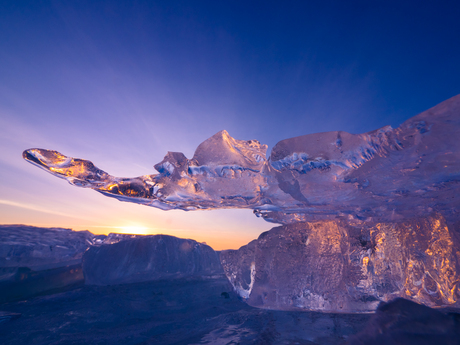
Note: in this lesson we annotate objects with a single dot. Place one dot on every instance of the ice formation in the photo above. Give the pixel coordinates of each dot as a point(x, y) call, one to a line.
point(38, 260)
point(386, 174)
point(145, 258)
point(42, 248)
point(347, 265)
point(383, 183)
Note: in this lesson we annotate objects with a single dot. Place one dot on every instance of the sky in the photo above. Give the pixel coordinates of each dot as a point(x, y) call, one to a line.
point(120, 83)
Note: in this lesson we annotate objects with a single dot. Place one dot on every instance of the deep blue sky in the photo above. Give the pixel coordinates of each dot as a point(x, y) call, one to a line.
point(123, 82)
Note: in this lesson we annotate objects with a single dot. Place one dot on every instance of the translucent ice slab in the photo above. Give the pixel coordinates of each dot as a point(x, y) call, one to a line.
point(348, 266)
point(387, 174)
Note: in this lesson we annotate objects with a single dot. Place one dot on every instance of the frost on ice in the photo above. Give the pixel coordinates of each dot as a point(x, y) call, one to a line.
point(376, 212)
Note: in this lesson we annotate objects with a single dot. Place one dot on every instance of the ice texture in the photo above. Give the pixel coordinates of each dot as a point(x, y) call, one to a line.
point(404, 322)
point(367, 217)
point(42, 248)
point(387, 174)
point(35, 260)
point(146, 258)
point(348, 266)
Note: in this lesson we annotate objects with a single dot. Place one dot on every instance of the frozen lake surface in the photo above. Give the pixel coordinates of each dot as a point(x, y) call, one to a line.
point(183, 311)
point(206, 311)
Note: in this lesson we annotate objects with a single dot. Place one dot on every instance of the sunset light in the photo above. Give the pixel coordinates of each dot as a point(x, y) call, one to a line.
point(229, 172)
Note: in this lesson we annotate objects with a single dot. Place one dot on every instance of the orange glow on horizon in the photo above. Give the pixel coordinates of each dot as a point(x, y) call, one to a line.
point(220, 229)
point(216, 240)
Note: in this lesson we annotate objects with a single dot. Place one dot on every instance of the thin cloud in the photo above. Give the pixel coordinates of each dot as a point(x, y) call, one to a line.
point(34, 208)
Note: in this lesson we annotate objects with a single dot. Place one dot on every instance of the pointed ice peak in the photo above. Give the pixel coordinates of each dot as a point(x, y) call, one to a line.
point(222, 149)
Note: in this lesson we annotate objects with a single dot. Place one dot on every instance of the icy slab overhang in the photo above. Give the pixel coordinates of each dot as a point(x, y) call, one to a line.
point(387, 174)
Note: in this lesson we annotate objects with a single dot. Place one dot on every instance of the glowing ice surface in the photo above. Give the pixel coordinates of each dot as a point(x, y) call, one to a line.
point(375, 213)
point(387, 174)
point(348, 266)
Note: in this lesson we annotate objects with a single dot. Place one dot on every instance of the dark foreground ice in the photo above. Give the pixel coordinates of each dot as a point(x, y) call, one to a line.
point(196, 304)
point(207, 311)
point(184, 311)
point(37, 260)
point(149, 258)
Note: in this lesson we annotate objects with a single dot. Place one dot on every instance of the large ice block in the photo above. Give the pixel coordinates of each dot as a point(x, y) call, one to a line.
point(348, 266)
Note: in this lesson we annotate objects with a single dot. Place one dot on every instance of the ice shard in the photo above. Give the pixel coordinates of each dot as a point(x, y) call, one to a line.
point(387, 181)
